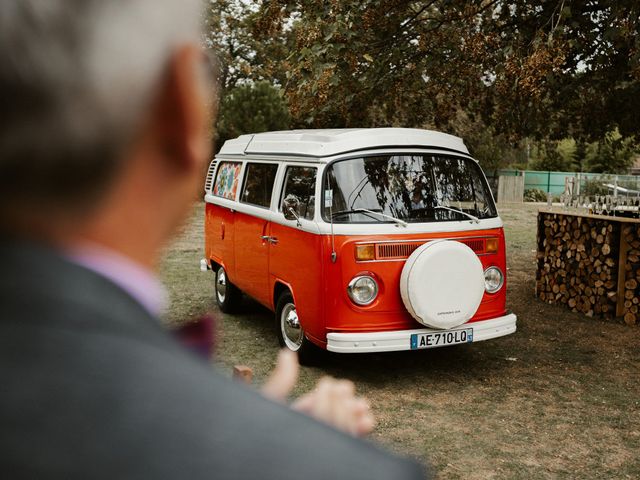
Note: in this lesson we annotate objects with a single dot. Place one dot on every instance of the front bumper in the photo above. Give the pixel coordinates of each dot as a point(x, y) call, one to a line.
point(400, 339)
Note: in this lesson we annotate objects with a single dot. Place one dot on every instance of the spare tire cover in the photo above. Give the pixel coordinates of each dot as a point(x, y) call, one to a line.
point(442, 284)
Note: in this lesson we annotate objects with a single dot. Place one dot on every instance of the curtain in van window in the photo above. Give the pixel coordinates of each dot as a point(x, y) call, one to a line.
point(226, 184)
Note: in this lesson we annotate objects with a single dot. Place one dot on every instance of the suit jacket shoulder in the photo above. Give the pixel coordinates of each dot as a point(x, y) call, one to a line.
point(96, 389)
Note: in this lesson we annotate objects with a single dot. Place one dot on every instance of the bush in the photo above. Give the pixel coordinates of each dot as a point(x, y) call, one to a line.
point(535, 195)
point(595, 186)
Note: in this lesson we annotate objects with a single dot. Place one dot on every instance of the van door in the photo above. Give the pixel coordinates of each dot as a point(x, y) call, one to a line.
point(296, 257)
point(252, 239)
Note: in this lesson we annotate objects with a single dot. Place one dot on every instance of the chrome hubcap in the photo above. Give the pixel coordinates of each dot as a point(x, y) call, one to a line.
point(221, 285)
point(290, 326)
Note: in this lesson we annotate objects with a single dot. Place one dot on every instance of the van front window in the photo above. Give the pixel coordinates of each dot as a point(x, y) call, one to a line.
point(409, 188)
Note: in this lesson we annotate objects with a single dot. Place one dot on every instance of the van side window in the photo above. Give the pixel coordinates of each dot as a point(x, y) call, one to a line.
point(258, 184)
point(226, 184)
point(300, 186)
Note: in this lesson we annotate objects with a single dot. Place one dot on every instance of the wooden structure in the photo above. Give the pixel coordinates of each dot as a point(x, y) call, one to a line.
point(510, 189)
point(589, 262)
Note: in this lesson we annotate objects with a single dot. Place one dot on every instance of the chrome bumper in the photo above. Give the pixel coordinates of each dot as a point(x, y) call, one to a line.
point(400, 339)
point(204, 265)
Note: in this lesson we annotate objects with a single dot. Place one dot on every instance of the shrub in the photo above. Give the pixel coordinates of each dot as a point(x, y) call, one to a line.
point(595, 186)
point(535, 195)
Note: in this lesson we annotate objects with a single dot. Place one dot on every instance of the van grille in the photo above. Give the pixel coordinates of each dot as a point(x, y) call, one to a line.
point(386, 251)
point(209, 180)
point(395, 251)
point(475, 244)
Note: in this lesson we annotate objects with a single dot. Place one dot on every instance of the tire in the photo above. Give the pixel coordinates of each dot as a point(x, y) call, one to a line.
point(291, 334)
point(227, 294)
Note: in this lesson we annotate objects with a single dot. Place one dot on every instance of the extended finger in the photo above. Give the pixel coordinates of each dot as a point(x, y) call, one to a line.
point(342, 403)
point(305, 403)
point(283, 378)
point(365, 421)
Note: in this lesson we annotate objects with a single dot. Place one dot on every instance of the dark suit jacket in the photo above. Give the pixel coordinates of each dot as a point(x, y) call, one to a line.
point(92, 387)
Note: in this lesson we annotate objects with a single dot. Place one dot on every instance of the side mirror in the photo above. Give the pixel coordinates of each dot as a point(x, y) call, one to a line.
point(291, 207)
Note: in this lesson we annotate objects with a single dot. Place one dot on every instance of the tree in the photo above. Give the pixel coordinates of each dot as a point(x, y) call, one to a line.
point(547, 156)
point(244, 55)
point(251, 108)
point(548, 68)
point(540, 71)
point(612, 154)
point(492, 150)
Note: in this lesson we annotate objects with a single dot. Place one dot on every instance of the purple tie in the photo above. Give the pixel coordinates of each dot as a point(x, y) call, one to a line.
point(198, 335)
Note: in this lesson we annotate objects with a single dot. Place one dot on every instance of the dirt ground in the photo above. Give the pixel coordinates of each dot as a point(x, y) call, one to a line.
point(558, 399)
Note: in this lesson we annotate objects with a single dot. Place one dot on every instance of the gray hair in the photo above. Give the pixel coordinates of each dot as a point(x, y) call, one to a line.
point(76, 79)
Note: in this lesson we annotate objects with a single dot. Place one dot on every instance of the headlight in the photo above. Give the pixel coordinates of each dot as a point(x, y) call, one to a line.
point(363, 290)
point(493, 279)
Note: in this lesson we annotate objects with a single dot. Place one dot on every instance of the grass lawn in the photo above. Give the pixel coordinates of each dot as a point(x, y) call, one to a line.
point(558, 399)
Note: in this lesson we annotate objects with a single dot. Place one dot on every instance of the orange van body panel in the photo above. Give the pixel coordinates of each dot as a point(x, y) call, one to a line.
point(302, 261)
point(388, 312)
point(251, 259)
point(219, 237)
point(297, 260)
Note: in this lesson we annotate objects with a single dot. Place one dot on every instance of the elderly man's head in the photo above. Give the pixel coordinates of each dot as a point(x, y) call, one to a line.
point(94, 94)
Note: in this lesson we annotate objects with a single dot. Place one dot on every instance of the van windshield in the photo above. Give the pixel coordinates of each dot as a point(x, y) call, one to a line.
point(406, 188)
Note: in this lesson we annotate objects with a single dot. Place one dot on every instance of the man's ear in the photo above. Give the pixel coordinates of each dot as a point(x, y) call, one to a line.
point(185, 110)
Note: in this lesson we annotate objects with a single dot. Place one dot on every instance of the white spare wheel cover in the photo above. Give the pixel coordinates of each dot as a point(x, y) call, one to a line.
point(442, 284)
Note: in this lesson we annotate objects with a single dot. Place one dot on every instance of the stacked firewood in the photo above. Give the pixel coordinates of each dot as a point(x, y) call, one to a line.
point(578, 262)
point(631, 245)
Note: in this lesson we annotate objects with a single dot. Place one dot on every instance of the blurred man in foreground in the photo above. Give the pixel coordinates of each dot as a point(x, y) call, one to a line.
point(103, 138)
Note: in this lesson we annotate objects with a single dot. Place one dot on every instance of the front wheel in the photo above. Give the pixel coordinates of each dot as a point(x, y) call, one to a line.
point(227, 294)
point(290, 332)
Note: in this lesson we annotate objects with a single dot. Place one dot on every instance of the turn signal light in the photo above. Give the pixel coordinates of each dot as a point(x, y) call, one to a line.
point(492, 245)
point(365, 252)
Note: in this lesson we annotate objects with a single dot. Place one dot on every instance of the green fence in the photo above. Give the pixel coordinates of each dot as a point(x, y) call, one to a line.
point(553, 182)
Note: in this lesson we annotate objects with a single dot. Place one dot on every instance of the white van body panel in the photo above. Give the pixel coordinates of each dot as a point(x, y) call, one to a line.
point(328, 142)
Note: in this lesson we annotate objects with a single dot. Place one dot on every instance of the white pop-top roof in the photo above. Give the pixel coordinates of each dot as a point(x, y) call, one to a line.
point(329, 142)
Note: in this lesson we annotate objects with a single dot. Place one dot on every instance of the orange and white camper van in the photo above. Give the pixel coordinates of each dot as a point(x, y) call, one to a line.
point(360, 240)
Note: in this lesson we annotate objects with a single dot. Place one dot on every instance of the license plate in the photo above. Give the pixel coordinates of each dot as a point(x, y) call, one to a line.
point(441, 339)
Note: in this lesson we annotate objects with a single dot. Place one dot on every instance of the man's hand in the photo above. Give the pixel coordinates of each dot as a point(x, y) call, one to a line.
point(332, 401)
point(283, 378)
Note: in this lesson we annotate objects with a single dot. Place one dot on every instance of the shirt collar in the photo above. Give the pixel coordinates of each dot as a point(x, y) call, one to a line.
point(138, 281)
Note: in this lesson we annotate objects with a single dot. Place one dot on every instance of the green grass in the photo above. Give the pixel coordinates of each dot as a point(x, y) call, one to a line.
point(567, 407)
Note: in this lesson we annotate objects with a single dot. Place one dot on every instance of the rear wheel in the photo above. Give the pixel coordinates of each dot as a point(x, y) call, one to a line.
point(290, 332)
point(227, 294)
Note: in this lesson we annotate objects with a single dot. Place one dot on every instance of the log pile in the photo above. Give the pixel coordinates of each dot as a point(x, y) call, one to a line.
point(591, 263)
point(630, 248)
point(578, 262)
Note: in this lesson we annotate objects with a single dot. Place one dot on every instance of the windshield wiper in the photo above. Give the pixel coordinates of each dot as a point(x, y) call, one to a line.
point(371, 212)
point(468, 215)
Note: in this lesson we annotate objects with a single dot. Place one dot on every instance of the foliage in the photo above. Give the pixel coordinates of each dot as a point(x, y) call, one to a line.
point(567, 151)
point(535, 195)
point(492, 150)
point(594, 186)
point(612, 154)
point(609, 154)
point(518, 71)
point(251, 108)
point(547, 156)
point(525, 68)
point(230, 33)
